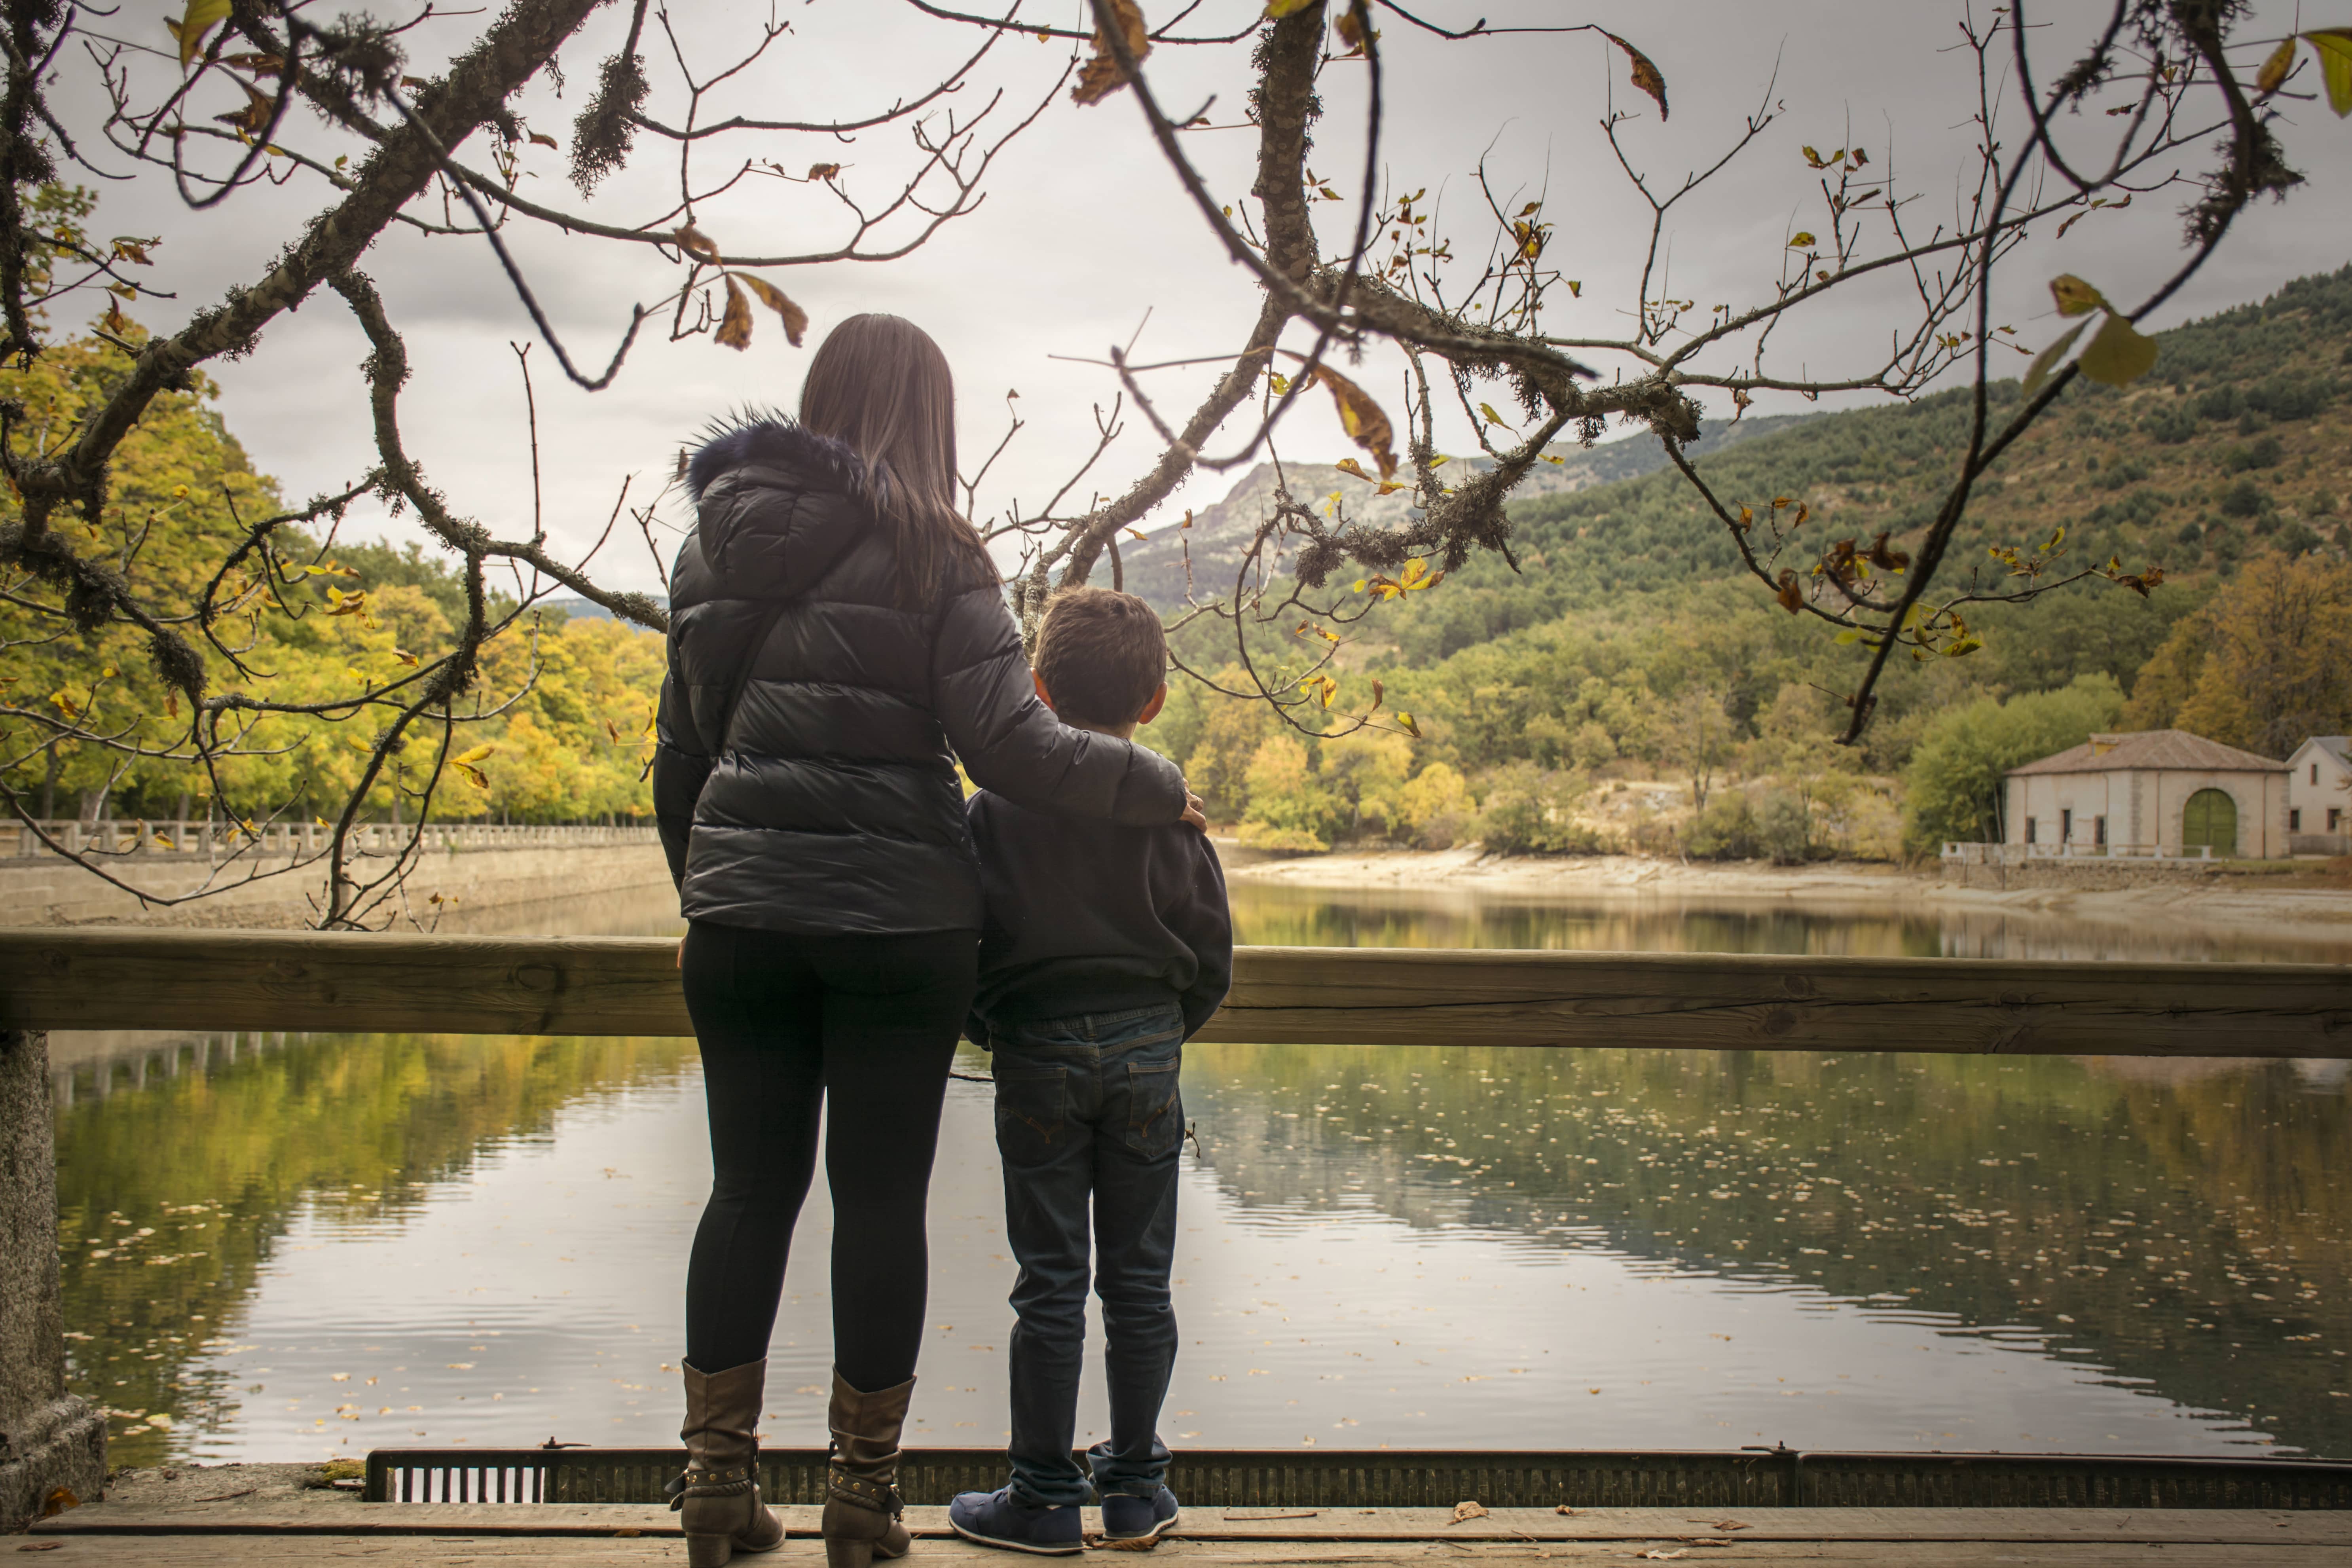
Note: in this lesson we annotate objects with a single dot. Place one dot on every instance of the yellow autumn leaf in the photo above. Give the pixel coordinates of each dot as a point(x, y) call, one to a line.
point(2118, 353)
point(2334, 48)
point(2074, 297)
point(200, 18)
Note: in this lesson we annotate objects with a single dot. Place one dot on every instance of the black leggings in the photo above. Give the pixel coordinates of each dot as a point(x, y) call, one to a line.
point(786, 1023)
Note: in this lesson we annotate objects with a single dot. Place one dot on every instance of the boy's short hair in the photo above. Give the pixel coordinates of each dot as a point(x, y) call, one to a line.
point(1101, 655)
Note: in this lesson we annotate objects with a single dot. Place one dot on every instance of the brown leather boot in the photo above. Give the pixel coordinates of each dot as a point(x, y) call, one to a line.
point(719, 1495)
point(862, 1504)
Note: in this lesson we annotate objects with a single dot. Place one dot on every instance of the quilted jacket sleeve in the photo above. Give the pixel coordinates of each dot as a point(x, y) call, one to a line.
point(680, 769)
point(1011, 744)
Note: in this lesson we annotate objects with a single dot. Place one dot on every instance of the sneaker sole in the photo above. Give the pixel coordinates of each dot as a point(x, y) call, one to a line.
point(1073, 1550)
point(1155, 1533)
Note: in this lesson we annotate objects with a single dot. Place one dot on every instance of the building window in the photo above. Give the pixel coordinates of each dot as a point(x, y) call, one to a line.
point(2099, 831)
point(2030, 824)
point(2066, 827)
point(2335, 819)
point(2293, 820)
point(2314, 773)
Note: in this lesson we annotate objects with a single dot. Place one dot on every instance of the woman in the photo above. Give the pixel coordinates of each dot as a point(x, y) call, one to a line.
point(837, 633)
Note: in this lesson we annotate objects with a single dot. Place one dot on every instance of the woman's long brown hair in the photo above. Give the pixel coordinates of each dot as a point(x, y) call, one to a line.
point(881, 385)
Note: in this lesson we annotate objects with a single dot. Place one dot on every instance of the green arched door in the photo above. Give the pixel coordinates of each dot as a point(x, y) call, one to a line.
point(2210, 817)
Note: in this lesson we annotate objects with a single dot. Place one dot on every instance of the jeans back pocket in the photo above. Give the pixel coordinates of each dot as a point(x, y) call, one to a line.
point(1033, 1113)
point(1155, 1109)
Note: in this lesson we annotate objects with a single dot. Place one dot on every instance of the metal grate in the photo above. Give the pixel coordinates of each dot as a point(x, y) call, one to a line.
point(1250, 1478)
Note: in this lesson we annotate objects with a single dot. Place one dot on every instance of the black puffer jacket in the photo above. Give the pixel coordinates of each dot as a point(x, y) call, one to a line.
point(831, 803)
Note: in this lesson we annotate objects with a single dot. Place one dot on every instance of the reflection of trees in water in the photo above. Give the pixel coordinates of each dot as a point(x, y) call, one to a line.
point(213, 1167)
point(2196, 1233)
point(1273, 914)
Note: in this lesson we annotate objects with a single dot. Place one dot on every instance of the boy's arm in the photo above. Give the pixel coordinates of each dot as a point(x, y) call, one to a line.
point(1203, 919)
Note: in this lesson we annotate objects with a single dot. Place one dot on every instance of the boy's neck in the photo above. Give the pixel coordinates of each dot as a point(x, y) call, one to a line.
point(1117, 732)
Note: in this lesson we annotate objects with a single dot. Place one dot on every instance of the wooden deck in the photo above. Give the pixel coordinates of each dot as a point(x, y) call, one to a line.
point(214, 1536)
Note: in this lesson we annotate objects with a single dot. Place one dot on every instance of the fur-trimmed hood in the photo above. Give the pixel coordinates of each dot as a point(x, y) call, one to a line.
point(775, 440)
point(774, 498)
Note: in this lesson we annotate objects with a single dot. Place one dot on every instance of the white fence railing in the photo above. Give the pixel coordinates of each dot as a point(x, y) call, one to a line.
point(213, 840)
point(2043, 854)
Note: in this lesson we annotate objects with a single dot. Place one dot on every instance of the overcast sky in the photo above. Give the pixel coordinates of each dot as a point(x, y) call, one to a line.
point(1084, 229)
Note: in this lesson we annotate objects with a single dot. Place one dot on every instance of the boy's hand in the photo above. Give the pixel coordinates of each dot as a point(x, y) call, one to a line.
point(1194, 812)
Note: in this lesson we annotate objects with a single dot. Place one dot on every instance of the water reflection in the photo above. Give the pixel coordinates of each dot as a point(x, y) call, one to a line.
point(326, 1243)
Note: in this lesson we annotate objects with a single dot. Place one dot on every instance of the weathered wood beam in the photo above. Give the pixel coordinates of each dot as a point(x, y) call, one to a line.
point(136, 978)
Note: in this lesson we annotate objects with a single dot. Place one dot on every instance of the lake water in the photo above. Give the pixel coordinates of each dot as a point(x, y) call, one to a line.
point(281, 1248)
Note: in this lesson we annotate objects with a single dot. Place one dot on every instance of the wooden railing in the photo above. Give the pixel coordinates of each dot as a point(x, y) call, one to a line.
point(213, 840)
point(132, 978)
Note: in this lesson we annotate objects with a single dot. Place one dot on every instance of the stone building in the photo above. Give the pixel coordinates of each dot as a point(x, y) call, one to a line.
point(2319, 796)
point(2151, 792)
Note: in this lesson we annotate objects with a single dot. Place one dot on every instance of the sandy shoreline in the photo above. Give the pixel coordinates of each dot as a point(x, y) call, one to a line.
point(2206, 900)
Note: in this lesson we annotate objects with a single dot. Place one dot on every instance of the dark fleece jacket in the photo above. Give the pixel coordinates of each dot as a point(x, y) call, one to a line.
point(830, 804)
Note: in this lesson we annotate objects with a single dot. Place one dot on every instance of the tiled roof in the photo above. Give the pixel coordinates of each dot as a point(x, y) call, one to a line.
point(2341, 745)
point(2172, 749)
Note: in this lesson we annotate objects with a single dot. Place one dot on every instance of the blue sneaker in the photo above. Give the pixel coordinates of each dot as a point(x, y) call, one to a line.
point(998, 1519)
point(1128, 1518)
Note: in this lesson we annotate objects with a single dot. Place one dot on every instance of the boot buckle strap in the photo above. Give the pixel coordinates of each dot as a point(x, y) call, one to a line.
point(691, 1482)
point(879, 1496)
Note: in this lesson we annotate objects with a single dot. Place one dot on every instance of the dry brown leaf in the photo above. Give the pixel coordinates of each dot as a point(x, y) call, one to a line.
point(1361, 417)
point(1647, 75)
point(795, 319)
point(696, 243)
point(1468, 1509)
point(735, 326)
point(1100, 76)
point(254, 118)
point(1792, 595)
point(823, 171)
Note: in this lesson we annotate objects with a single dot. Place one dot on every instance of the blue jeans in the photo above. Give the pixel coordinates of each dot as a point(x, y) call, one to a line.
point(1088, 1108)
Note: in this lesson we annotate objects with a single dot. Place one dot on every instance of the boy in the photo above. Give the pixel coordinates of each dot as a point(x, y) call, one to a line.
point(1106, 948)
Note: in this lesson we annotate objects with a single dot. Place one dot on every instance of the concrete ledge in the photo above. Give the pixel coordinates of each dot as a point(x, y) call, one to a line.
point(60, 1446)
point(49, 891)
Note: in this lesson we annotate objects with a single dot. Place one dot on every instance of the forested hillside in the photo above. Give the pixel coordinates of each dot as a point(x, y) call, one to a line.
point(569, 702)
point(1630, 649)
point(1626, 689)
